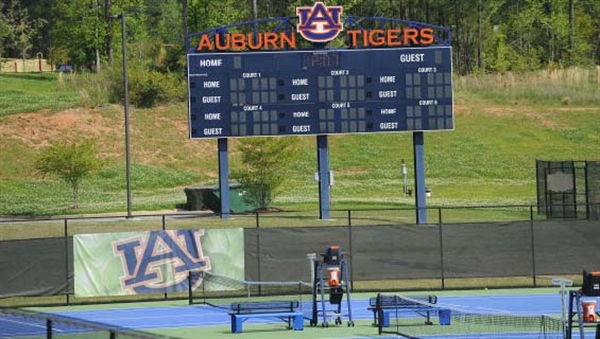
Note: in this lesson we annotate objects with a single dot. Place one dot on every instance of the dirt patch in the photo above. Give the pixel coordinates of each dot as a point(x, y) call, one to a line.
point(106, 125)
point(38, 129)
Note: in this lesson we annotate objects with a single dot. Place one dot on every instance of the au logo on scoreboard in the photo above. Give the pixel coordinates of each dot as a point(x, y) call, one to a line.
point(319, 23)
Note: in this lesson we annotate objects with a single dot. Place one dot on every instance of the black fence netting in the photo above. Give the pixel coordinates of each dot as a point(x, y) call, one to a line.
point(567, 246)
point(409, 252)
point(593, 189)
point(41, 267)
point(375, 253)
point(485, 250)
point(279, 254)
point(391, 252)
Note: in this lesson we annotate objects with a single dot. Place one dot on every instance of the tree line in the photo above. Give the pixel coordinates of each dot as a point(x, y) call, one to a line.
point(486, 35)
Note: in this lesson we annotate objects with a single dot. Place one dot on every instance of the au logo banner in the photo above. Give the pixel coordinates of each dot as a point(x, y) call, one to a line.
point(154, 261)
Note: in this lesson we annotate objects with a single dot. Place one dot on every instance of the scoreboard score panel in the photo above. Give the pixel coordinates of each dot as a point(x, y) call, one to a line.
point(316, 92)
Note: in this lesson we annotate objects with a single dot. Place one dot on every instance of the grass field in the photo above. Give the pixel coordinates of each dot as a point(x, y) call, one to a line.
point(24, 93)
point(503, 124)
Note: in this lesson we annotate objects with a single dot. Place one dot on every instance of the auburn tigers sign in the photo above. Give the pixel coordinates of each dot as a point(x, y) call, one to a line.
point(320, 24)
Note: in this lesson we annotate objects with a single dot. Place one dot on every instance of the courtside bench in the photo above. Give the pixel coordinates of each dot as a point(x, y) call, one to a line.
point(392, 303)
point(284, 310)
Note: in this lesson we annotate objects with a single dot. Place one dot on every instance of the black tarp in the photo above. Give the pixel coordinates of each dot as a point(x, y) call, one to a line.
point(36, 267)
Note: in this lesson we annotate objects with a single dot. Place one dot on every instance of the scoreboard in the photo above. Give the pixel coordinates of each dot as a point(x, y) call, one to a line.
point(312, 92)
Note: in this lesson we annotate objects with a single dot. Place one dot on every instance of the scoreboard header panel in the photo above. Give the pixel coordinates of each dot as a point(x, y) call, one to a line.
point(320, 92)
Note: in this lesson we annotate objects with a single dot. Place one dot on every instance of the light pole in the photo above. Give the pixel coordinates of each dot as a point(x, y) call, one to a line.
point(404, 177)
point(126, 108)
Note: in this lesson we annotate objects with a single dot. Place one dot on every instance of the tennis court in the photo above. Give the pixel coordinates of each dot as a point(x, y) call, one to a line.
point(180, 320)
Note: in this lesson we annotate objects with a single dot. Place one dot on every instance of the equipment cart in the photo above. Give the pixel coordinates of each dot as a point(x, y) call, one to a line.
point(330, 284)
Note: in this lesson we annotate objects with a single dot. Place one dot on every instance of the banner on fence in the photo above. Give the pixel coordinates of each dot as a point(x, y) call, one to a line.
point(110, 264)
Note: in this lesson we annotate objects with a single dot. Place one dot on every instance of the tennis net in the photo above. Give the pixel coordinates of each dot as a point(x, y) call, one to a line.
point(403, 316)
point(214, 289)
point(16, 323)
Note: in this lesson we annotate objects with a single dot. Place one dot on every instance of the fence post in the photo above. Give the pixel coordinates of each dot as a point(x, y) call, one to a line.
point(441, 247)
point(350, 249)
point(66, 232)
point(163, 223)
point(587, 191)
point(258, 253)
point(532, 245)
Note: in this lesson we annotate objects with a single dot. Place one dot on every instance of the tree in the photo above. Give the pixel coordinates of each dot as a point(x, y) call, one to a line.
point(17, 28)
point(71, 162)
point(264, 168)
point(79, 28)
point(4, 28)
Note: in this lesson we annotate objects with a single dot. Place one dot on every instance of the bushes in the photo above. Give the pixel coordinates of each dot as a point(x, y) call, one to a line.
point(148, 88)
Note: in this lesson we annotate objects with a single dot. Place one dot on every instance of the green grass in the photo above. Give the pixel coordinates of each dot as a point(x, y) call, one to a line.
point(23, 93)
point(105, 191)
point(489, 159)
point(559, 87)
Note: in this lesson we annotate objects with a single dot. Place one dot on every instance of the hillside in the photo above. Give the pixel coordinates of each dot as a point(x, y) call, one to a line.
point(489, 159)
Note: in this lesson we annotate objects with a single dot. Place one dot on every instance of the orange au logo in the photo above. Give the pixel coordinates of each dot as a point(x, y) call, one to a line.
point(319, 23)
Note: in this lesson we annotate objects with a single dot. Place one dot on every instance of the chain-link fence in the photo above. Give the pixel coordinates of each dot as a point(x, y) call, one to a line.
point(466, 247)
point(568, 189)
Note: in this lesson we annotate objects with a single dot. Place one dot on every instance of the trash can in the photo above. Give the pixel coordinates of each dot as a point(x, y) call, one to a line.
point(209, 197)
point(444, 316)
point(195, 198)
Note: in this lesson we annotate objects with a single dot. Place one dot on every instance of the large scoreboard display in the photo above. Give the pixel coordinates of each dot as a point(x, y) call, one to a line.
point(314, 92)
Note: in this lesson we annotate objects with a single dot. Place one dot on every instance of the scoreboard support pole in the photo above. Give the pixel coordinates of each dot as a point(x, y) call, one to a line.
point(324, 180)
point(419, 157)
point(224, 177)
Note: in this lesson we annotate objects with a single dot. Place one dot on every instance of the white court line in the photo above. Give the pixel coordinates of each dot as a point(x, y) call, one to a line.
point(476, 309)
point(24, 323)
point(178, 316)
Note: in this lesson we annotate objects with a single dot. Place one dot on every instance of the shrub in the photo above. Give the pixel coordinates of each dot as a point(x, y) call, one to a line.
point(148, 88)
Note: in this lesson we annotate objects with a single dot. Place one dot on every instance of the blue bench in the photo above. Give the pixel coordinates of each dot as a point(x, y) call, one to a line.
point(390, 304)
point(284, 310)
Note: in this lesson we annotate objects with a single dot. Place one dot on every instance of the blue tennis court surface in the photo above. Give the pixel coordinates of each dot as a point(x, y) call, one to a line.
point(17, 327)
point(147, 318)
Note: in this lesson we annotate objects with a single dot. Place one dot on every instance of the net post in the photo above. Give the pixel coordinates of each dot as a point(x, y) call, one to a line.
point(428, 317)
point(48, 329)
point(441, 236)
point(379, 311)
